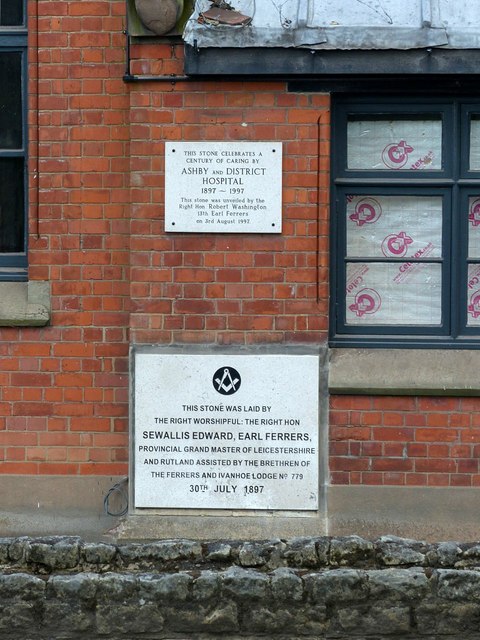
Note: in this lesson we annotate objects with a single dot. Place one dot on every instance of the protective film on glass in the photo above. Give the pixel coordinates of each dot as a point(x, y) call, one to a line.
point(405, 293)
point(394, 226)
point(407, 145)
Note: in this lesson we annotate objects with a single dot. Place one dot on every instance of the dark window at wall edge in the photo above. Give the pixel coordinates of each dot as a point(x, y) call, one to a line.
point(13, 141)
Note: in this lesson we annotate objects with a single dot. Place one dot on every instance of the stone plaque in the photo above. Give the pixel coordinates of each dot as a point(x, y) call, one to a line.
point(223, 187)
point(225, 431)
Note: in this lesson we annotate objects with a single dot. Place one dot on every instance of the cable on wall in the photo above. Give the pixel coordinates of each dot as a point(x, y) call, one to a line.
point(120, 493)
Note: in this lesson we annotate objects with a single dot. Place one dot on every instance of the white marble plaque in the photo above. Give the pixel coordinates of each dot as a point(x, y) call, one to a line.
point(223, 187)
point(225, 431)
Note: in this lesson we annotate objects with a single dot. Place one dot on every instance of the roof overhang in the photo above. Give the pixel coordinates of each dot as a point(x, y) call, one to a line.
point(311, 63)
point(317, 37)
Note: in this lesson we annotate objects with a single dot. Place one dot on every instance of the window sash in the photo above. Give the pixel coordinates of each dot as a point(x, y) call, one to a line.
point(437, 110)
point(392, 143)
point(361, 284)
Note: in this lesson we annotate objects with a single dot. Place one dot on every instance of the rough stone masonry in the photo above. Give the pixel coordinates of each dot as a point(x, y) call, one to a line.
point(64, 588)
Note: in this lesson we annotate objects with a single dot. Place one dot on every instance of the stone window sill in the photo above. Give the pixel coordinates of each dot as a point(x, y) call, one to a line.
point(404, 372)
point(24, 304)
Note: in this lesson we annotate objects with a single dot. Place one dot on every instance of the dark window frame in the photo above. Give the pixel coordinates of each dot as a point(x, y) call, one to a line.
point(13, 39)
point(454, 182)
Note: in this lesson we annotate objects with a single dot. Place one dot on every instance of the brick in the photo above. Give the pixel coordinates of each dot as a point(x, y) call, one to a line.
point(460, 480)
point(393, 419)
point(416, 479)
point(18, 468)
point(470, 435)
point(394, 478)
point(462, 451)
point(438, 404)
point(392, 464)
point(436, 435)
point(394, 403)
point(386, 434)
point(348, 464)
point(438, 450)
point(371, 478)
point(460, 420)
point(438, 480)
point(395, 450)
point(469, 466)
point(350, 433)
point(435, 465)
point(90, 424)
point(32, 409)
point(350, 402)
point(372, 449)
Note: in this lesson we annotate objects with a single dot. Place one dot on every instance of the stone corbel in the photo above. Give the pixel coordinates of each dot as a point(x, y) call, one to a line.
point(24, 304)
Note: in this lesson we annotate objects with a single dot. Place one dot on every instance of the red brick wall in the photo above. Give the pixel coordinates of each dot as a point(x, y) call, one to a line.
point(97, 235)
point(405, 441)
point(227, 288)
point(64, 387)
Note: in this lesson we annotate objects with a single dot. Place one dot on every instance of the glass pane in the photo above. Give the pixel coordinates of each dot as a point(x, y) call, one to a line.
point(11, 100)
point(473, 296)
point(393, 294)
point(11, 13)
point(394, 144)
point(475, 143)
point(394, 226)
point(474, 227)
point(11, 205)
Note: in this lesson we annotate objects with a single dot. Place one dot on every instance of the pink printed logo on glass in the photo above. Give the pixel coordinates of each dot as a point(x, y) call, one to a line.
point(395, 155)
point(367, 211)
point(396, 245)
point(367, 301)
point(474, 306)
point(474, 213)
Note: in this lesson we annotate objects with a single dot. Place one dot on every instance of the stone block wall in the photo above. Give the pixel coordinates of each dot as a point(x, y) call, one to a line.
point(98, 244)
point(65, 588)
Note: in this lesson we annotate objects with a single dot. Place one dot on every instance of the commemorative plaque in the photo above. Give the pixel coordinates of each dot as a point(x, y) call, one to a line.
point(223, 187)
point(225, 431)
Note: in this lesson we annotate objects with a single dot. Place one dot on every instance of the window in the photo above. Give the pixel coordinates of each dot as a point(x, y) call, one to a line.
point(406, 222)
point(13, 140)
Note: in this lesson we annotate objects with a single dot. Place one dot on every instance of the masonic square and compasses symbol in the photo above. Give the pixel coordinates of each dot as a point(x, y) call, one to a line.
point(226, 381)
